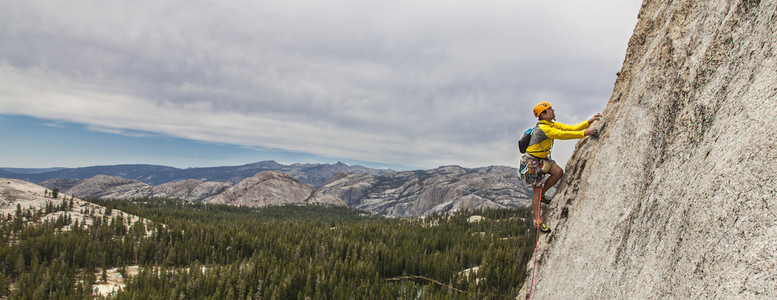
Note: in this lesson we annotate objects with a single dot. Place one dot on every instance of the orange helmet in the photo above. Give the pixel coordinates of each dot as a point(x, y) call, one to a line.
point(540, 107)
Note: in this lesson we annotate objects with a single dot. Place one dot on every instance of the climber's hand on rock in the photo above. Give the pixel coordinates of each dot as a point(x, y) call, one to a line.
point(591, 132)
point(594, 118)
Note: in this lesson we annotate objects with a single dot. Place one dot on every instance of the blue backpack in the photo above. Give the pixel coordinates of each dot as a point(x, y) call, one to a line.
point(523, 143)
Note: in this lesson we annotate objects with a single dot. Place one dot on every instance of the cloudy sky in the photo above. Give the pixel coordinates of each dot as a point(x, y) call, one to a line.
point(382, 83)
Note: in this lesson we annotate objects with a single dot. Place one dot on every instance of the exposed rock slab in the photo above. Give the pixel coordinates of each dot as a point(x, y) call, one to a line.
point(677, 198)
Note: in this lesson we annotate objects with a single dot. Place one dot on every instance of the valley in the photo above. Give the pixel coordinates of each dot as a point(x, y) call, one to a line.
point(169, 248)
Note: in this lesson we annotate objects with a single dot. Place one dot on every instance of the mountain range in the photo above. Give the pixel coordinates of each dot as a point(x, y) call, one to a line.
point(313, 174)
point(393, 193)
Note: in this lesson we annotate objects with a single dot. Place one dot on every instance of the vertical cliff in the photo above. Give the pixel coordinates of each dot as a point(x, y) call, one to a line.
point(677, 197)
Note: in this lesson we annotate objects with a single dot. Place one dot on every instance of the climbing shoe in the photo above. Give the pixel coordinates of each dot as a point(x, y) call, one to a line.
point(544, 228)
point(545, 200)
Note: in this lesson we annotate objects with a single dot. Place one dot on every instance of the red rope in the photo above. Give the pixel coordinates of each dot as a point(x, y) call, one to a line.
point(534, 266)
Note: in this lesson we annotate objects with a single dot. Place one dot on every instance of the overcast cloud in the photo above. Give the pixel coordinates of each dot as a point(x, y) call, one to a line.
point(416, 83)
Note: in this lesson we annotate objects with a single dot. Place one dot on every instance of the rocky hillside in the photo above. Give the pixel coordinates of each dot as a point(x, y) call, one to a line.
point(17, 194)
point(677, 198)
point(262, 189)
point(190, 189)
point(272, 188)
point(104, 186)
point(444, 189)
point(111, 187)
point(404, 194)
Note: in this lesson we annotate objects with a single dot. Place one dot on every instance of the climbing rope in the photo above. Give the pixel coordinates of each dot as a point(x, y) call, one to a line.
point(534, 266)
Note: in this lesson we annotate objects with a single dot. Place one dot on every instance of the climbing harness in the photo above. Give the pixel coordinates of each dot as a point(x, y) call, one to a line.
point(532, 170)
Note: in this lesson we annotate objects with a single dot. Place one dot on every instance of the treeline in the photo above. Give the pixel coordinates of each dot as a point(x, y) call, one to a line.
point(195, 250)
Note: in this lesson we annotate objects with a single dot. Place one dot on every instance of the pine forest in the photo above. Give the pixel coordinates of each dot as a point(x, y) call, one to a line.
point(189, 250)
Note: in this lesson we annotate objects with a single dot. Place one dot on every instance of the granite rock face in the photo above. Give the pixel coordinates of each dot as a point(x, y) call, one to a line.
point(677, 197)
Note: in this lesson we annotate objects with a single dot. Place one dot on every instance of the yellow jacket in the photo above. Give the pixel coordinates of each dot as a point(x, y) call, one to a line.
point(546, 131)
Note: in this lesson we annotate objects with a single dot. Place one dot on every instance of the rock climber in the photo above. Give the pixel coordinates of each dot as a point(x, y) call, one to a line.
point(536, 163)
